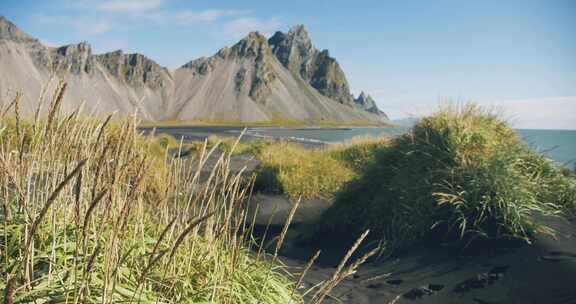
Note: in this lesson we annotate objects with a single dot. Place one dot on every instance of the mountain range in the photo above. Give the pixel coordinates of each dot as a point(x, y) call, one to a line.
point(257, 79)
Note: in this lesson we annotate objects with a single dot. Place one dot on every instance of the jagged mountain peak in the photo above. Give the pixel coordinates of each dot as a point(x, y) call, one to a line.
point(298, 54)
point(298, 29)
point(256, 79)
point(10, 31)
point(366, 102)
point(363, 96)
point(135, 69)
point(73, 58)
point(68, 49)
point(253, 45)
point(299, 33)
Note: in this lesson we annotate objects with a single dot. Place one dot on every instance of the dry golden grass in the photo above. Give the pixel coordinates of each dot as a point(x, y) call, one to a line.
point(94, 212)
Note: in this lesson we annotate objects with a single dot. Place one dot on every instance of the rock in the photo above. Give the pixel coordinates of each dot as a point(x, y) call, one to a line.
point(275, 209)
point(480, 281)
point(417, 293)
point(9, 31)
point(436, 287)
point(73, 58)
point(135, 69)
point(480, 301)
point(375, 285)
point(550, 258)
point(395, 282)
point(499, 270)
point(297, 53)
point(367, 103)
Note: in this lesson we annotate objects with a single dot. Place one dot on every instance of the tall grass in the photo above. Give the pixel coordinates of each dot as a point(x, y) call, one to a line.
point(458, 175)
point(290, 169)
point(91, 213)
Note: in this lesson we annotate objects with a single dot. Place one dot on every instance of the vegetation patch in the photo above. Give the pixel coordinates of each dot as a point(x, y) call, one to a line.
point(93, 212)
point(291, 169)
point(458, 175)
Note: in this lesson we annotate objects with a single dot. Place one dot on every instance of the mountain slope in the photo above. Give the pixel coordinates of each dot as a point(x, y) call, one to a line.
point(247, 82)
point(297, 53)
point(263, 89)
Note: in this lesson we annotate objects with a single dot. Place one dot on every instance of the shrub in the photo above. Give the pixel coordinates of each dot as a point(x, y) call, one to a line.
point(458, 175)
point(358, 153)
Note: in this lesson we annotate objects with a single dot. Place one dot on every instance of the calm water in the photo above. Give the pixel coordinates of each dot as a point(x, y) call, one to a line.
point(559, 145)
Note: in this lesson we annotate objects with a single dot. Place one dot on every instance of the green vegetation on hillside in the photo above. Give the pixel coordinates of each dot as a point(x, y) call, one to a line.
point(93, 212)
point(460, 174)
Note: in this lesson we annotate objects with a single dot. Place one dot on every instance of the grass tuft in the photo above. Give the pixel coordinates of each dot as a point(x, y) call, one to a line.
point(94, 212)
point(459, 175)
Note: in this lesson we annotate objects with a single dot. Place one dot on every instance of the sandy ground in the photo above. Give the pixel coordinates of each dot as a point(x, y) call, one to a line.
point(200, 133)
point(543, 272)
point(540, 273)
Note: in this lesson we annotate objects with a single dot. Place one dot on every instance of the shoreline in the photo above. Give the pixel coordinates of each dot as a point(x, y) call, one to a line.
point(425, 275)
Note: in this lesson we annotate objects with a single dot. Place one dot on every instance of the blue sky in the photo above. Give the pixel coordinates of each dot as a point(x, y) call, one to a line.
point(517, 55)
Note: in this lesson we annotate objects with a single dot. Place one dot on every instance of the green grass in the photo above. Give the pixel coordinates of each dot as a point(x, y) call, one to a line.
point(459, 175)
point(291, 169)
point(93, 212)
point(298, 172)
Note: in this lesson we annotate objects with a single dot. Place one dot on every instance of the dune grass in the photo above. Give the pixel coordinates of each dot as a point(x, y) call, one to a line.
point(94, 212)
point(459, 175)
point(293, 170)
point(289, 169)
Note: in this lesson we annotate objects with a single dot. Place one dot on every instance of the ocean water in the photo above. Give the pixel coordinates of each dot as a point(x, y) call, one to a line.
point(559, 145)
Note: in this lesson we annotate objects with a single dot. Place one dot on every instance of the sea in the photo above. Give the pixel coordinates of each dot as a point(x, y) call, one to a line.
point(559, 145)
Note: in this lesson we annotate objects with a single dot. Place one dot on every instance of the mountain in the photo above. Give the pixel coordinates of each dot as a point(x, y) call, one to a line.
point(297, 53)
point(367, 103)
point(257, 79)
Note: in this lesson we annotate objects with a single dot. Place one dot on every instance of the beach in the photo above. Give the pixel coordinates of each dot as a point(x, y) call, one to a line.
point(542, 272)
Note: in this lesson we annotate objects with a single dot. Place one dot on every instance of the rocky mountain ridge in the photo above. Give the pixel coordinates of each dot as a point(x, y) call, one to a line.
point(257, 79)
point(297, 53)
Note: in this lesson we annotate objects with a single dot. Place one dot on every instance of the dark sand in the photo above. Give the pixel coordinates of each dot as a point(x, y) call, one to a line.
point(542, 272)
point(200, 133)
point(195, 133)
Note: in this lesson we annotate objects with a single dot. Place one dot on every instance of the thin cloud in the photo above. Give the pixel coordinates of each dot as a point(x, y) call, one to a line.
point(239, 27)
point(529, 113)
point(83, 26)
point(206, 15)
point(187, 17)
point(541, 113)
point(97, 27)
point(129, 6)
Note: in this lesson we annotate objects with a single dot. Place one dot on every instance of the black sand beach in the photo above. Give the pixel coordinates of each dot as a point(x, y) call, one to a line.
point(542, 272)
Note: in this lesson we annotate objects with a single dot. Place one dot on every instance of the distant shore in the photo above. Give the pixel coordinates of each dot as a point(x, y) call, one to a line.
point(200, 133)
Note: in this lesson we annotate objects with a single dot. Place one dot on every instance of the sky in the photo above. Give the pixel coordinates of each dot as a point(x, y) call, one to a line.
point(518, 56)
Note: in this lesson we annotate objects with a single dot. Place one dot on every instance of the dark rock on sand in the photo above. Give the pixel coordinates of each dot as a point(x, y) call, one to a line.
point(499, 270)
point(375, 285)
point(417, 293)
point(436, 287)
point(480, 281)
